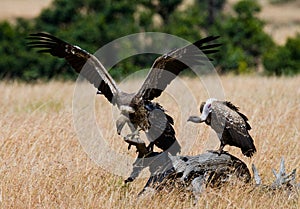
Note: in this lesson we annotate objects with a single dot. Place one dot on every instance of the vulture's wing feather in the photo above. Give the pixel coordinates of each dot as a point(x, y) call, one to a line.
point(236, 109)
point(83, 62)
point(161, 131)
point(233, 127)
point(166, 67)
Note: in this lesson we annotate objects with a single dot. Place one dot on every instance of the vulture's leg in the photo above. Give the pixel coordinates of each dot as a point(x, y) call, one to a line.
point(150, 147)
point(122, 120)
point(218, 151)
point(134, 137)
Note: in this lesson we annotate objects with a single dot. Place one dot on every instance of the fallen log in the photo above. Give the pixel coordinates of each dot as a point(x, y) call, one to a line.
point(195, 173)
point(190, 172)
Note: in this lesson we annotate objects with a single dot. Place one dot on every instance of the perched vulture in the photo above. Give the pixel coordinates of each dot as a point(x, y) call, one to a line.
point(230, 125)
point(137, 109)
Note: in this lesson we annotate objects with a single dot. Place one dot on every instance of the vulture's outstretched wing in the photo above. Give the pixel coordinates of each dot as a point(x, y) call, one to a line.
point(235, 128)
point(83, 62)
point(168, 66)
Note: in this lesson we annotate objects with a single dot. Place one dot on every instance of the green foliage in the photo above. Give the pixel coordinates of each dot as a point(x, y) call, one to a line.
point(283, 60)
point(164, 8)
point(245, 40)
point(91, 24)
point(246, 8)
point(279, 1)
point(190, 27)
point(210, 10)
point(87, 23)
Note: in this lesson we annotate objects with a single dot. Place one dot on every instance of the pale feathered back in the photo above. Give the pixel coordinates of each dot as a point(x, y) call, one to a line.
point(231, 125)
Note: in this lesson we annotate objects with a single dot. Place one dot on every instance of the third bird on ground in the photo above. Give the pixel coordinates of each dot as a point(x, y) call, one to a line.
point(230, 125)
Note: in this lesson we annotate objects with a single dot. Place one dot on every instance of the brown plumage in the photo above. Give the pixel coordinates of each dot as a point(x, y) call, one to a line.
point(137, 109)
point(230, 125)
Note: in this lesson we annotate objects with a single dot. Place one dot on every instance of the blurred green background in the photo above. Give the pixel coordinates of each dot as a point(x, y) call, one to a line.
point(90, 24)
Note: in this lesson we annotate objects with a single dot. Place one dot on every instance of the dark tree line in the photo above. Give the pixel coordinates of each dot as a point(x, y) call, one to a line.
point(93, 23)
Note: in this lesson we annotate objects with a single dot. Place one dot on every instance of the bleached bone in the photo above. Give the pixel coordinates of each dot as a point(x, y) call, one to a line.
point(256, 176)
point(281, 178)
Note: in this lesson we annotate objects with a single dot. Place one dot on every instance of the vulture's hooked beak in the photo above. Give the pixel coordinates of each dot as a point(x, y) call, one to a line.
point(195, 119)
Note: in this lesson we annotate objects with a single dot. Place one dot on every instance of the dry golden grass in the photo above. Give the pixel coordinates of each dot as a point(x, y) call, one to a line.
point(42, 164)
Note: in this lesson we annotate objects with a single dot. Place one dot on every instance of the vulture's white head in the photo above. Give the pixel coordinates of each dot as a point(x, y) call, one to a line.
point(206, 108)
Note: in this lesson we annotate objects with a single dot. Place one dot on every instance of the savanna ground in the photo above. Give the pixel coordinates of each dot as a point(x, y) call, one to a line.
point(43, 165)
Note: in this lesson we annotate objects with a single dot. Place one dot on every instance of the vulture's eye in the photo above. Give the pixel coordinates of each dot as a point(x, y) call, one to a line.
point(208, 106)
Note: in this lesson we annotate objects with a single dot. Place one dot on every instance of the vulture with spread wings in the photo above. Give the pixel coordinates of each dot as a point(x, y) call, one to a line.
point(137, 109)
point(229, 123)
